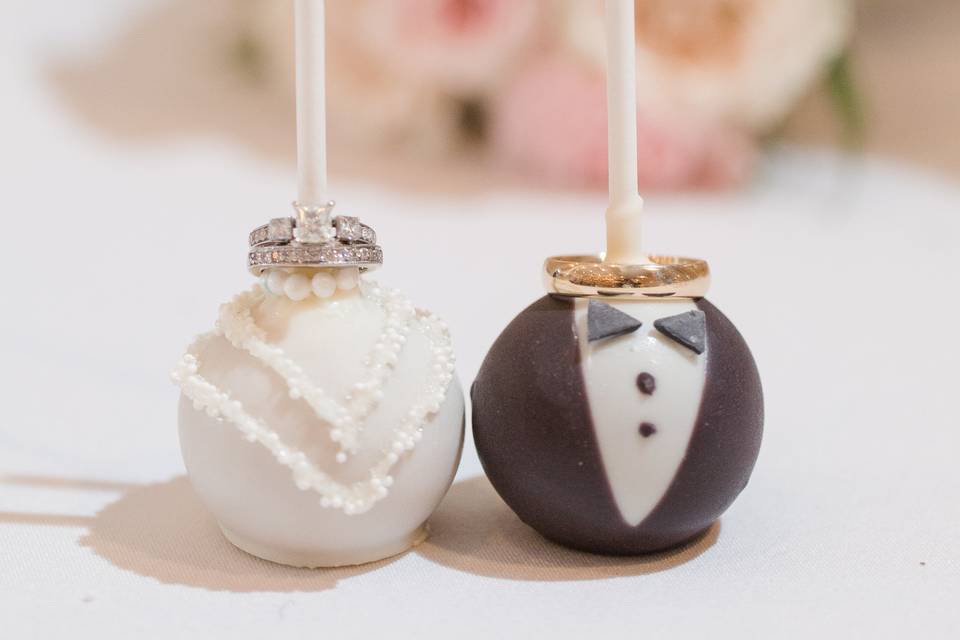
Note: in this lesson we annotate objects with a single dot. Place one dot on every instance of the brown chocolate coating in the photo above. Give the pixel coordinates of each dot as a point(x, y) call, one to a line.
point(534, 433)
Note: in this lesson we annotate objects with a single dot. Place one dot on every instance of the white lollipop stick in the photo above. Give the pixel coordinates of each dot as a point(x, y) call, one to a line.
point(311, 103)
point(624, 212)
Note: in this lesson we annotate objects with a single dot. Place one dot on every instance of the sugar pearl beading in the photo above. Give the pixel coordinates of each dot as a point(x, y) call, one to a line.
point(298, 286)
point(344, 420)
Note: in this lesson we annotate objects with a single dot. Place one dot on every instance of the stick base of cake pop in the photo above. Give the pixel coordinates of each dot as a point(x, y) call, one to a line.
point(322, 432)
point(618, 437)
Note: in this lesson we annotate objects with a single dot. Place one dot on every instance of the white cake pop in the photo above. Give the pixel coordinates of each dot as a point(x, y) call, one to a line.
point(322, 431)
point(321, 421)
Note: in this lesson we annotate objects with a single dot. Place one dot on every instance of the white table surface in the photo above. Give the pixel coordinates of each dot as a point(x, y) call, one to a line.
point(840, 273)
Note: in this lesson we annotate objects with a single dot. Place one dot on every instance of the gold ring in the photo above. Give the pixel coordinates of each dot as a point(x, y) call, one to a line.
point(662, 277)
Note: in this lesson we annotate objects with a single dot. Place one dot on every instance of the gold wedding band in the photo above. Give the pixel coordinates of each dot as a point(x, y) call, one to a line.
point(662, 277)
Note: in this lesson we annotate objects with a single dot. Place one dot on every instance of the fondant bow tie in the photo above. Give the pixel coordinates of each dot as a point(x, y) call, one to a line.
point(606, 321)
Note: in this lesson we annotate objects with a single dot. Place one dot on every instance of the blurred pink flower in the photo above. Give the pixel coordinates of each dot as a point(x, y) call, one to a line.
point(463, 45)
point(551, 123)
point(744, 62)
point(730, 158)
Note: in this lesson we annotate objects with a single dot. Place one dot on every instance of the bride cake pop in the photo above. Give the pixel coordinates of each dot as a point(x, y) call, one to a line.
point(321, 421)
point(623, 412)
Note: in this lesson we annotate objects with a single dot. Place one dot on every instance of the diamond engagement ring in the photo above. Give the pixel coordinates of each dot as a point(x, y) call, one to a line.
point(313, 225)
point(313, 238)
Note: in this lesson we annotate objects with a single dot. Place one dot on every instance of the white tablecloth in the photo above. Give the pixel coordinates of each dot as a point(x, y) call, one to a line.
point(840, 273)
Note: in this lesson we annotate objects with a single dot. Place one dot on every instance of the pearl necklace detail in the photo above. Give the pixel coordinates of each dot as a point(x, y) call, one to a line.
point(345, 421)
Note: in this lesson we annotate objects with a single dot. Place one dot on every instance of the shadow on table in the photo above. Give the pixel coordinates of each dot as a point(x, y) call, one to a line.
point(162, 531)
point(474, 531)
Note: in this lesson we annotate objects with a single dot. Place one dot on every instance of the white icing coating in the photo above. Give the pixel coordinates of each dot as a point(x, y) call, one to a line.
point(344, 420)
point(641, 469)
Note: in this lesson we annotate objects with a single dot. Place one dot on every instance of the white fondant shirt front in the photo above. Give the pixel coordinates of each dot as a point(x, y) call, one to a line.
point(640, 469)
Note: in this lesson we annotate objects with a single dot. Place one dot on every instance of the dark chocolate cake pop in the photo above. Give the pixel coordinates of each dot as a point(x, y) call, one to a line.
point(620, 426)
point(624, 414)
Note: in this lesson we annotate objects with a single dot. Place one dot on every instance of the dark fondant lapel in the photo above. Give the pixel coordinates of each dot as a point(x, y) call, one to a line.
point(725, 440)
point(533, 429)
